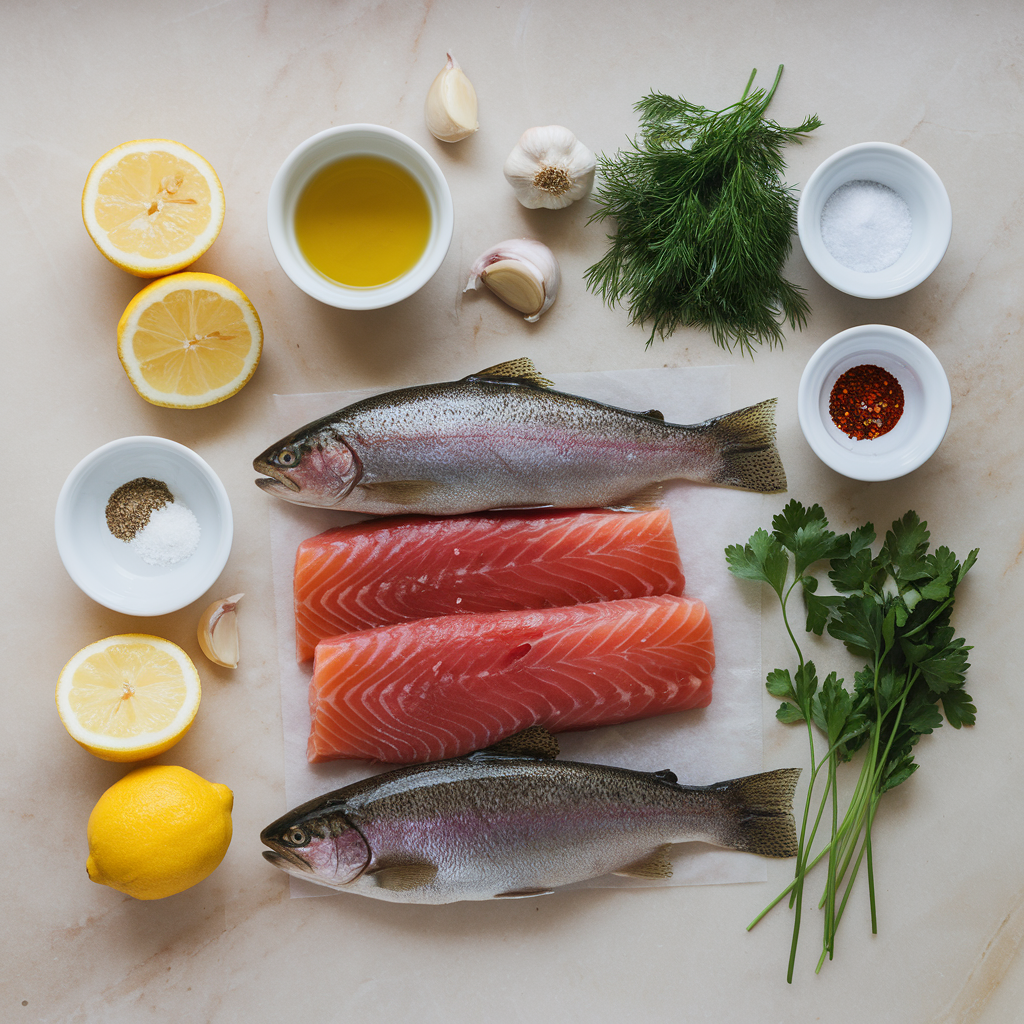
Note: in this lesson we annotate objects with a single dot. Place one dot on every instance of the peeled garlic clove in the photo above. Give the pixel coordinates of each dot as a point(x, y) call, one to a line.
point(451, 109)
point(522, 272)
point(218, 632)
point(550, 168)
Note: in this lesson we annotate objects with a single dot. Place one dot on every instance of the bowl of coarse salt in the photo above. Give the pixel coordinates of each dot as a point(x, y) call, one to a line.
point(874, 220)
point(143, 525)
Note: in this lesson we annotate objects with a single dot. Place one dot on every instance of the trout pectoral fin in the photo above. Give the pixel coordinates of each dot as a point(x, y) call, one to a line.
point(654, 865)
point(404, 877)
point(519, 894)
point(400, 492)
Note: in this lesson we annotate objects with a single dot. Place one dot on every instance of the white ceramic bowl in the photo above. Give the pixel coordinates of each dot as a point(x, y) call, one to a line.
point(108, 569)
point(324, 148)
point(926, 409)
point(921, 189)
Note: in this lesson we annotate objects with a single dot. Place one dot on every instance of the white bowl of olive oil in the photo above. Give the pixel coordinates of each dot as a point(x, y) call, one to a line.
point(360, 217)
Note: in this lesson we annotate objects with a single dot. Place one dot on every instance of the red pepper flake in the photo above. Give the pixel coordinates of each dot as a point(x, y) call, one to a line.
point(866, 402)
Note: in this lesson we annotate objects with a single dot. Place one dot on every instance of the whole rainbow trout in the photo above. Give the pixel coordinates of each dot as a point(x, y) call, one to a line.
point(504, 438)
point(512, 821)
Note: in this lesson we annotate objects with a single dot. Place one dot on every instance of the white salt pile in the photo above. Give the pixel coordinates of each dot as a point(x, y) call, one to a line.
point(170, 536)
point(866, 226)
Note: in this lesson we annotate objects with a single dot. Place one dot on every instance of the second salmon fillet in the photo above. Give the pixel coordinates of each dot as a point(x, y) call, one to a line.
point(446, 686)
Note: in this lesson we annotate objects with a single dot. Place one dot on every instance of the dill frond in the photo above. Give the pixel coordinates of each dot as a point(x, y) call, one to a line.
point(704, 223)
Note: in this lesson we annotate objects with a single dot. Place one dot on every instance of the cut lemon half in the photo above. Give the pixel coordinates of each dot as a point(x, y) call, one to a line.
point(152, 206)
point(189, 340)
point(128, 697)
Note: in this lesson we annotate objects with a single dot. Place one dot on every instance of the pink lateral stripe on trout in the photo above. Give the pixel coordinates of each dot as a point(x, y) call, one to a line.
point(512, 821)
point(503, 438)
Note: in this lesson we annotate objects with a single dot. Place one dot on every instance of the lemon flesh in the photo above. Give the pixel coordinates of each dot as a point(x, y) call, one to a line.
point(189, 340)
point(158, 831)
point(128, 697)
point(152, 206)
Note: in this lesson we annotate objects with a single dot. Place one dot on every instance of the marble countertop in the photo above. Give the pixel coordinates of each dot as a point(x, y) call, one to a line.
point(243, 83)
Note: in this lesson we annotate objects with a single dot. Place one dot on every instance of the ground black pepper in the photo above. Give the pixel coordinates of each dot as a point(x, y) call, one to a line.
point(866, 402)
point(130, 506)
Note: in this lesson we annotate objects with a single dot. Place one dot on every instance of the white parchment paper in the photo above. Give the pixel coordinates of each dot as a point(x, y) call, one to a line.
point(702, 746)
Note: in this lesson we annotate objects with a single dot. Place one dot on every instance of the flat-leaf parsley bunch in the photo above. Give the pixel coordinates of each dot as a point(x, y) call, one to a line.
point(893, 610)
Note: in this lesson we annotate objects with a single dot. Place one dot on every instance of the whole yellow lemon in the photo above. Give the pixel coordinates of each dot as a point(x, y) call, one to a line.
point(158, 831)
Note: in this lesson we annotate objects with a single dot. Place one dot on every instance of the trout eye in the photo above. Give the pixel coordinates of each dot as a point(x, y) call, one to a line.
point(287, 457)
point(296, 837)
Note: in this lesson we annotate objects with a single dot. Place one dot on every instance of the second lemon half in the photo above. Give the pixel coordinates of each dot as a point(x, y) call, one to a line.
point(128, 697)
point(189, 340)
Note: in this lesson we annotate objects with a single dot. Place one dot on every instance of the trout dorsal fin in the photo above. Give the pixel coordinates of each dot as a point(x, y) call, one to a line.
point(535, 742)
point(519, 371)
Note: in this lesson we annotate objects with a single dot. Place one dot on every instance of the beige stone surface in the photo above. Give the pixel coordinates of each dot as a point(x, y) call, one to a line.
point(243, 83)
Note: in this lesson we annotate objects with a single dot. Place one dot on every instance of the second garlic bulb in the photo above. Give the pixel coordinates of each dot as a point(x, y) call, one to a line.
point(550, 168)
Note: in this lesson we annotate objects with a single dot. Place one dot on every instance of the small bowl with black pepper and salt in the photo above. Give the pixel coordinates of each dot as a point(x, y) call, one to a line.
point(143, 526)
point(874, 220)
point(874, 402)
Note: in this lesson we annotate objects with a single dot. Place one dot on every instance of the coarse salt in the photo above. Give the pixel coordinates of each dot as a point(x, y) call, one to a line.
point(866, 226)
point(170, 536)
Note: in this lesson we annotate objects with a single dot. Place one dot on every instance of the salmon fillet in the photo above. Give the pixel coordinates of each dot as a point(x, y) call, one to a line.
point(380, 572)
point(442, 687)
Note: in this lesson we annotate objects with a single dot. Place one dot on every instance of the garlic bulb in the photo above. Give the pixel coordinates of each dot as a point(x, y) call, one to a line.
point(218, 632)
point(550, 167)
point(451, 109)
point(522, 272)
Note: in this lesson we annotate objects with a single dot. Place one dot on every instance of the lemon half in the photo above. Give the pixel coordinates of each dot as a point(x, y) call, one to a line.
point(152, 206)
point(158, 831)
point(189, 340)
point(128, 697)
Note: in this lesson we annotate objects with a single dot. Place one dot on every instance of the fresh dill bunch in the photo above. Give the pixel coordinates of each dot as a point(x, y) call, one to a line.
point(703, 221)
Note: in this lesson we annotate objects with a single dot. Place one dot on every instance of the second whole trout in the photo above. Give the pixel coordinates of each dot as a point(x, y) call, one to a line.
point(513, 821)
point(503, 438)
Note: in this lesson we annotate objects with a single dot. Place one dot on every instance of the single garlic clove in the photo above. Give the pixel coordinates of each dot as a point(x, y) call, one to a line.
point(550, 168)
point(522, 272)
point(451, 108)
point(517, 284)
point(218, 632)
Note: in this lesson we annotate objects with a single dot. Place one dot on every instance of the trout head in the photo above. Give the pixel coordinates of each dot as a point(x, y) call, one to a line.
point(307, 468)
point(324, 847)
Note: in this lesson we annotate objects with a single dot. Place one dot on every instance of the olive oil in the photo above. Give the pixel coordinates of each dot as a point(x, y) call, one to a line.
point(362, 221)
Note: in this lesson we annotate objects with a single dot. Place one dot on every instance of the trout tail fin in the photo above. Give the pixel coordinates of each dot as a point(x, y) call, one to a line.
point(759, 813)
point(744, 442)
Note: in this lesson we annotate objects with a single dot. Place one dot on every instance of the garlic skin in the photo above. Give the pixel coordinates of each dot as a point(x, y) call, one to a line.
point(522, 272)
point(218, 632)
point(451, 107)
point(550, 168)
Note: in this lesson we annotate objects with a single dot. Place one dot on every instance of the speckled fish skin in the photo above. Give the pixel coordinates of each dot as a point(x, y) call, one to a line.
point(495, 825)
point(504, 438)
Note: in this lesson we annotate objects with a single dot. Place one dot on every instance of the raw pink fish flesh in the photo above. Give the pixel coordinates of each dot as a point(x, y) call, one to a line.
point(446, 686)
point(384, 571)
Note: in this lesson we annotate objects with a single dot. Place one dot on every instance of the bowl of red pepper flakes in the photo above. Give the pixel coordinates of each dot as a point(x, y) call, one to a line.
point(874, 402)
